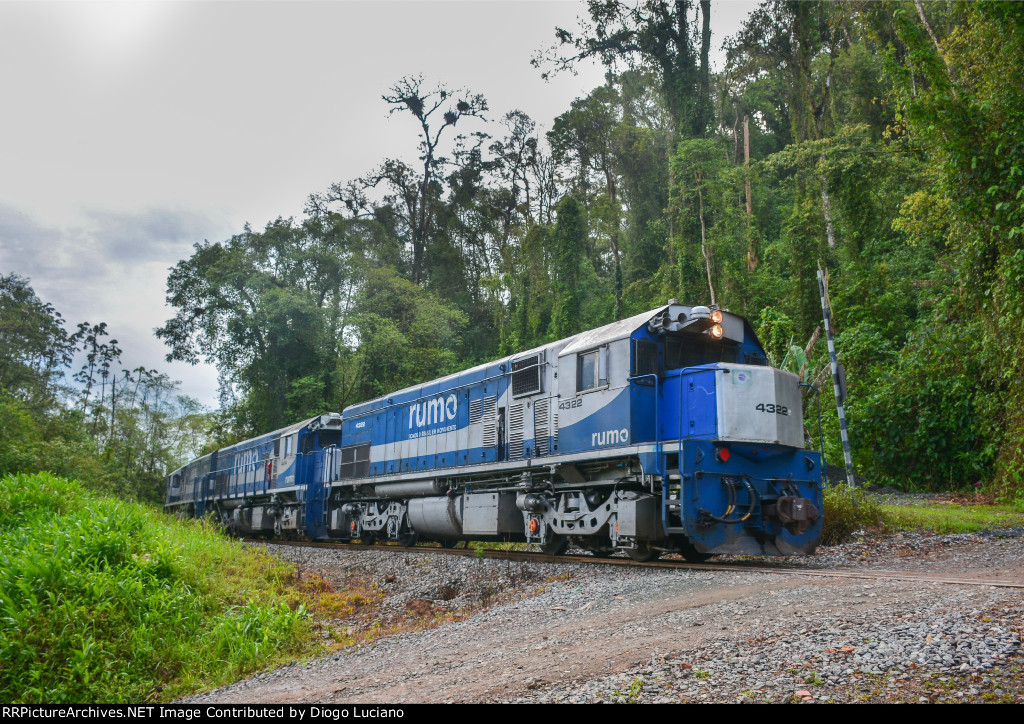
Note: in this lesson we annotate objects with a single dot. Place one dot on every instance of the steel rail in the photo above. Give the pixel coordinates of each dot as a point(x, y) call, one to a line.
point(768, 567)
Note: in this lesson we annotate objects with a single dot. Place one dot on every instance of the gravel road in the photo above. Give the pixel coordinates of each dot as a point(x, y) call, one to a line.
point(547, 632)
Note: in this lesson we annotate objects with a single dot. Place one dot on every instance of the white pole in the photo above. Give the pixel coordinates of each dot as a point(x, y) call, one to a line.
point(827, 313)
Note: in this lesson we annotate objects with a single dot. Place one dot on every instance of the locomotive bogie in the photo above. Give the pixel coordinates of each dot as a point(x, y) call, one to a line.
point(666, 431)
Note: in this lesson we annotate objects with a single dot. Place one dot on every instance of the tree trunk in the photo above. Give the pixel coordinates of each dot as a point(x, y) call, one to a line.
point(704, 102)
point(736, 135)
point(704, 248)
point(614, 237)
point(935, 39)
point(751, 240)
point(826, 204)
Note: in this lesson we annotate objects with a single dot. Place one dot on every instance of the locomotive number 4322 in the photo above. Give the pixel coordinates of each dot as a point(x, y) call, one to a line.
point(770, 408)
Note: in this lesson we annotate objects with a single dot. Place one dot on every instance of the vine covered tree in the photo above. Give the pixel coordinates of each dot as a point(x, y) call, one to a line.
point(666, 36)
point(569, 240)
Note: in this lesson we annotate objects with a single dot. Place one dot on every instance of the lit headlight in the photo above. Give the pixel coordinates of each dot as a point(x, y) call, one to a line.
point(716, 316)
point(716, 331)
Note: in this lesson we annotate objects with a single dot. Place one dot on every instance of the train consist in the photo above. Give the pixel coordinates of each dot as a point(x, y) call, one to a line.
point(663, 432)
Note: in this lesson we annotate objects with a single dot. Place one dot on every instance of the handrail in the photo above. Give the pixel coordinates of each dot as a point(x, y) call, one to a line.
point(457, 387)
point(821, 437)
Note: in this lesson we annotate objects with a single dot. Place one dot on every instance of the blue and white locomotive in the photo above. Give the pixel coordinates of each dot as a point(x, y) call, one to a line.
point(666, 431)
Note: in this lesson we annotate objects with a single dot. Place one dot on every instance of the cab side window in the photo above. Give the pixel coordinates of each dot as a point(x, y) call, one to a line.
point(586, 371)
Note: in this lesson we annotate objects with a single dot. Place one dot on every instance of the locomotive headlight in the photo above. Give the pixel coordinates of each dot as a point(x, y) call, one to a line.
point(716, 316)
point(716, 331)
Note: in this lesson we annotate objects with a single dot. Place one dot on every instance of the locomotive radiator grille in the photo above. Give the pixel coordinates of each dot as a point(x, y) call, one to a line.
point(526, 376)
point(515, 431)
point(541, 427)
point(490, 419)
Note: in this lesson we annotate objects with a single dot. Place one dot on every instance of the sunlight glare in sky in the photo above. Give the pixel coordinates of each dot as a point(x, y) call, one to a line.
point(110, 33)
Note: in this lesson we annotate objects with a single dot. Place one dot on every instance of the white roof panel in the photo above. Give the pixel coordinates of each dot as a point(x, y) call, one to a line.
point(608, 333)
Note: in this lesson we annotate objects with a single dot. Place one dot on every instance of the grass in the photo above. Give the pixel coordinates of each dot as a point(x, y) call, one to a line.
point(847, 511)
point(951, 517)
point(106, 601)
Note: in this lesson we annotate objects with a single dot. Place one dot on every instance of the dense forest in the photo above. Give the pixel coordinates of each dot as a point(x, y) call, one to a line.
point(882, 142)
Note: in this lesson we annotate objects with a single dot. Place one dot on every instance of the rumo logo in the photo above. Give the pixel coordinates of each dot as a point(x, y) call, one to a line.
point(610, 437)
point(247, 461)
point(433, 412)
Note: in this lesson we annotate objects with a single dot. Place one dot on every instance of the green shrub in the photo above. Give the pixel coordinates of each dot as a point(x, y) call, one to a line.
point(55, 441)
point(18, 436)
point(848, 510)
point(105, 601)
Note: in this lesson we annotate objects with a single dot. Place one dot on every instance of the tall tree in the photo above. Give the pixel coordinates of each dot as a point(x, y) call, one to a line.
point(570, 238)
point(265, 307)
point(533, 298)
point(960, 90)
point(405, 334)
point(34, 347)
point(435, 111)
point(700, 195)
point(582, 139)
point(653, 33)
point(798, 43)
point(99, 359)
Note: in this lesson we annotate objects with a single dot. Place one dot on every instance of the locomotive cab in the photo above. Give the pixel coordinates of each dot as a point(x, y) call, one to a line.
point(730, 437)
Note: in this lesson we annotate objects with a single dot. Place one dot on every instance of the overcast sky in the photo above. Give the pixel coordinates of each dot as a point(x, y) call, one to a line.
point(130, 131)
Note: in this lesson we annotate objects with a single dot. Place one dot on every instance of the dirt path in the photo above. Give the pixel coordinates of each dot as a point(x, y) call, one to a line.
point(707, 634)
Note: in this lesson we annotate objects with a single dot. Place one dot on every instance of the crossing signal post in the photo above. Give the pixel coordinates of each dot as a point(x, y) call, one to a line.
point(838, 375)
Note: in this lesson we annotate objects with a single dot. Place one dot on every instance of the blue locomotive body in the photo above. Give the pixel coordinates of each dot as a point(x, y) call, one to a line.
point(666, 431)
point(269, 484)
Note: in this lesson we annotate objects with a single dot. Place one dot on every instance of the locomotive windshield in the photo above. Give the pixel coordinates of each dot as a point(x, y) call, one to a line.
point(690, 350)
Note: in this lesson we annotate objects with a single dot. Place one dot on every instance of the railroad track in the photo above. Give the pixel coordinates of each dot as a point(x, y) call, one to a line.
point(765, 568)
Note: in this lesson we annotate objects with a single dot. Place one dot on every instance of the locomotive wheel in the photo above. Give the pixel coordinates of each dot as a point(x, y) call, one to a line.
point(688, 551)
point(448, 542)
point(368, 538)
point(556, 545)
point(407, 540)
point(598, 549)
point(643, 552)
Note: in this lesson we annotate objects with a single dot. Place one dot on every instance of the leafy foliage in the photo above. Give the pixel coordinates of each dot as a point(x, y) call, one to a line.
point(34, 347)
point(104, 600)
point(118, 433)
point(931, 412)
point(569, 238)
point(848, 510)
